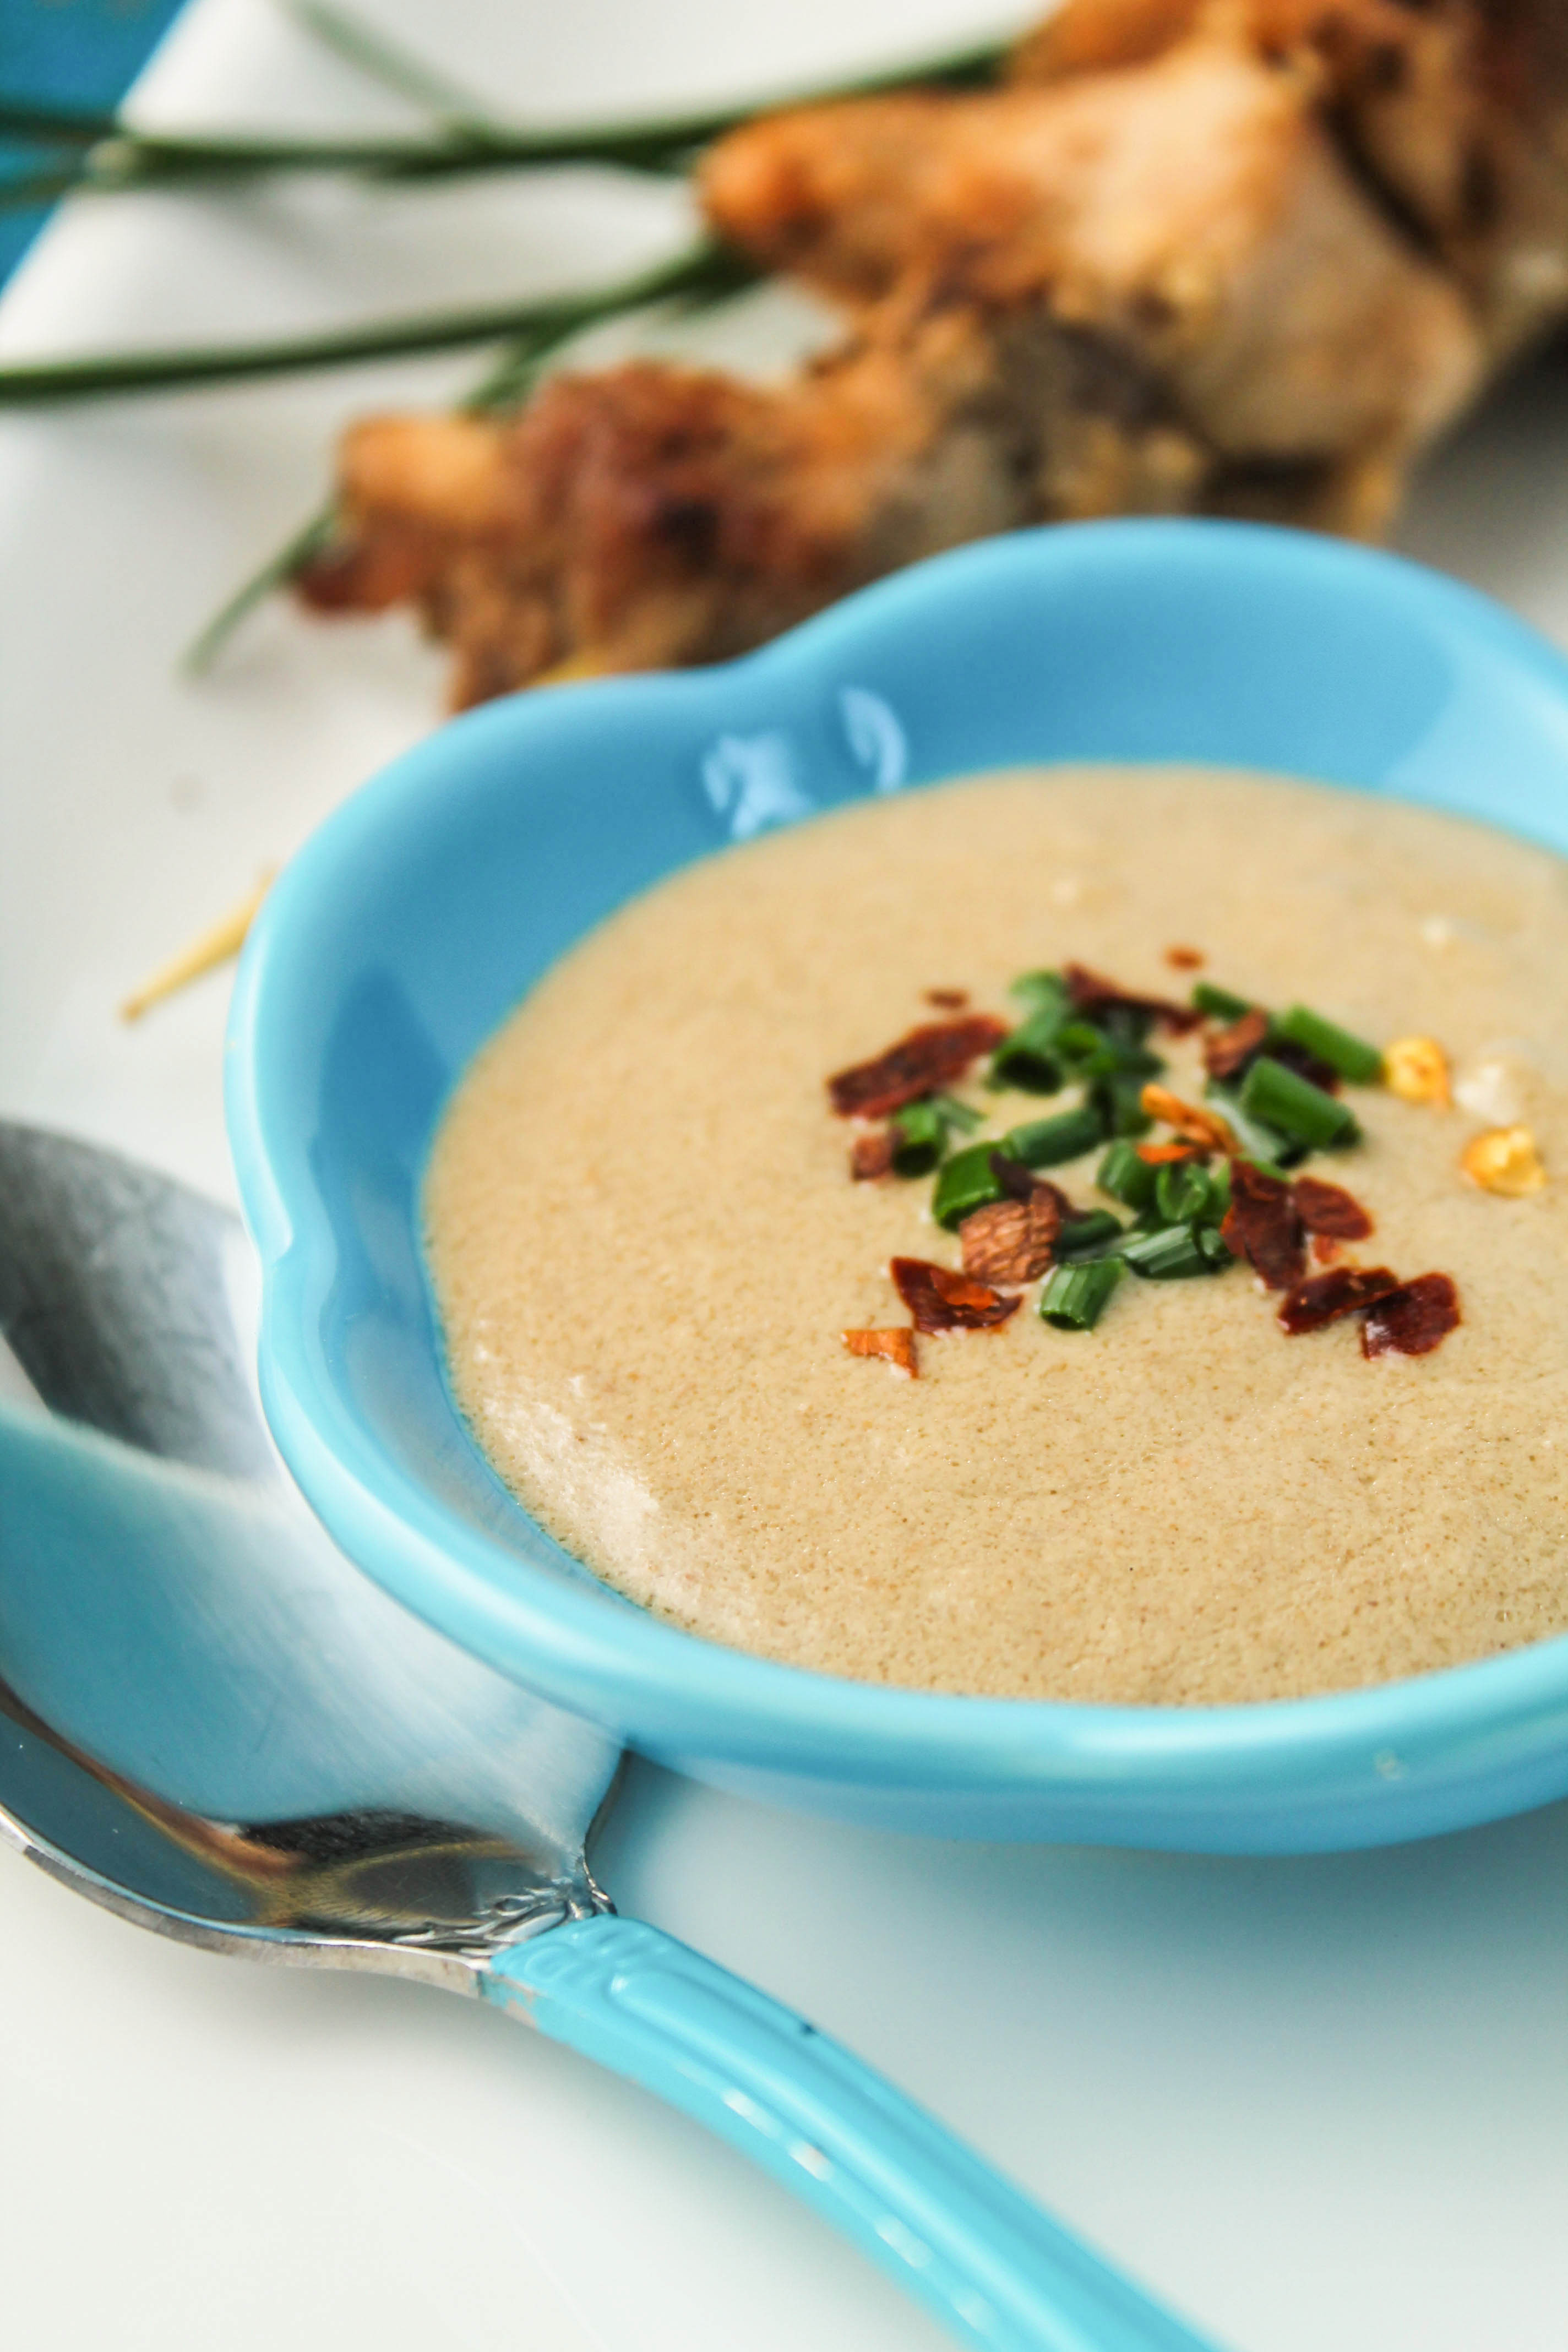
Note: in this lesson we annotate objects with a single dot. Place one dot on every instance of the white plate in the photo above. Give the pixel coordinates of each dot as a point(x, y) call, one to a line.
point(1316, 2103)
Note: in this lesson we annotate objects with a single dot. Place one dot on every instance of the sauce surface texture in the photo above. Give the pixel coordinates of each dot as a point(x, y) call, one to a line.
point(645, 1245)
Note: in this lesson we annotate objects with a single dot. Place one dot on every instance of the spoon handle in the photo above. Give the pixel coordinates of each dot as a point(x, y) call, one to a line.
point(1000, 2272)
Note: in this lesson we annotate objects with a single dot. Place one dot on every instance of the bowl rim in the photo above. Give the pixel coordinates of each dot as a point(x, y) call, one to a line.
point(621, 1664)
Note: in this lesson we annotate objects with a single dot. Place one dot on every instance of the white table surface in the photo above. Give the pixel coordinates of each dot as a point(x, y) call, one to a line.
point(1319, 2102)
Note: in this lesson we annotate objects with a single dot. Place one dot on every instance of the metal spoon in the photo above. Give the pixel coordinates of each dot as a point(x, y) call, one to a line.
point(213, 1724)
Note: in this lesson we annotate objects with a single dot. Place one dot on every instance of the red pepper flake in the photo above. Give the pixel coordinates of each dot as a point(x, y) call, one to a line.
point(872, 1156)
point(896, 1348)
point(1412, 1319)
point(940, 1301)
point(1185, 958)
point(1230, 1053)
point(1263, 1226)
point(1012, 1241)
point(1091, 994)
point(1170, 1155)
point(1329, 1210)
point(1325, 1249)
point(1344, 1290)
point(935, 1055)
point(947, 999)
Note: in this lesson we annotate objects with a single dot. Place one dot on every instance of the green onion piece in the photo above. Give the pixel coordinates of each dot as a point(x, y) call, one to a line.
point(1183, 1193)
point(1088, 1235)
point(1127, 1024)
point(967, 1183)
point(1264, 1146)
point(958, 1114)
point(1045, 1142)
point(1026, 1058)
point(1352, 1057)
point(1214, 1247)
point(1126, 1178)
point(1076, 1296)
point(1218, 1003)
point(1076, 1040)
point(1219, 1190)
point(1119, 1103)
point(1282, 1100)
point(1170, 1253)
point(1115, 1059)
point(1041, 991)
point(922, 1132)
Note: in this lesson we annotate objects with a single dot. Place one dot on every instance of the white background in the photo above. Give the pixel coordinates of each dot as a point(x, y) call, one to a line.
point(1316, 2103)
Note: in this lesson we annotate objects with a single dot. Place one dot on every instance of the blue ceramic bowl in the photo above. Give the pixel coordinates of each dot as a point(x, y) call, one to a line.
point(419, 914)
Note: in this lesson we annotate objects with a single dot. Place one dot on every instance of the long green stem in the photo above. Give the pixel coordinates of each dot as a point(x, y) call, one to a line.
point(117, 158)
point(373, 53)
point(707, 268)
point(506, 386)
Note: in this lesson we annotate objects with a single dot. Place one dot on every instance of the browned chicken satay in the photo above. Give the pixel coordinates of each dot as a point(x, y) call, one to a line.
point(1453, 113)
point(653, 515)
point(1193, 209)
point(1132, 294)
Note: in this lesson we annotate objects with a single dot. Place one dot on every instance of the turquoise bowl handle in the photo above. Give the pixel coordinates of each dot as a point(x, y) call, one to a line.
point(1000, 2273)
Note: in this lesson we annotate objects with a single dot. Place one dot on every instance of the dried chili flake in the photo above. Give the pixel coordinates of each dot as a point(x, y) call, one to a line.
point(1264, 1225)
point(936, 1055)
point(1092, 994)
point(940, 1301)
point(896, 1348)
point(872, 1156)
point(947, 1000)
point(1185, 958)
point(1012, 1241)
point(1205, 1129)
point(1329, 1210)
point(1412, 1319)
point(1170, 1155)
point(1230, 1053)
point(1325, 1249)
point(1344, 1290)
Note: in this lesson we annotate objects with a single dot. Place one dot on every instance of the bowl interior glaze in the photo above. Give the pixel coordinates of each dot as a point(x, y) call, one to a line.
point(416, 917)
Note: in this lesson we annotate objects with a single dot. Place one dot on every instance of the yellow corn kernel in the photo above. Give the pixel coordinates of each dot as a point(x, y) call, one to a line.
point(1504, 1161)
point(1416, 1070)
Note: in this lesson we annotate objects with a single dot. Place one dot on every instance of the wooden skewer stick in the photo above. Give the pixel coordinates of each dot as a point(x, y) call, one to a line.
point(215, 946)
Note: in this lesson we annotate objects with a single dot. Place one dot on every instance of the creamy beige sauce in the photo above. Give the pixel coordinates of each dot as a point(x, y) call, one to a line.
point(646, 1246)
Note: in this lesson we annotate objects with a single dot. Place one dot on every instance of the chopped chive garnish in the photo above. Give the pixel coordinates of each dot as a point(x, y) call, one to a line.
point(967, 1183)
point(1112, 1059)
point(1184, 1194)
point(1265, 1146)
point(1214, 1247)
point(1120, 1105)
point(1219, 1190)
point(1041, 991)
point(957, 1113)
point(922, 1133)
point(1027, 1058)
point(1127, 1024)
point(1126, 1178)
point(1295, 1107)
point(1352, 1056)
point(1045, 1142)
point(1170, 1253)
point(1088, 1235)
point(1218, 1003)
point(1076, 1296)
